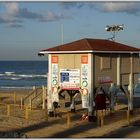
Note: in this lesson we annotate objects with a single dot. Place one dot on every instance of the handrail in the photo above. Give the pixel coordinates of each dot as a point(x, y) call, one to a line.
point(36, 95)
point(30, 93)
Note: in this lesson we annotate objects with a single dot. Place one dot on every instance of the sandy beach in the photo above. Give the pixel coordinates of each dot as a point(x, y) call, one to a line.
point(37, 125)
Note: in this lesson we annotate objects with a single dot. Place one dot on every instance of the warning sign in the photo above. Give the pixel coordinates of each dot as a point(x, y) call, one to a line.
point(84, 59)
point(54, 59)
point(84, 101)
point(54, 74)
point(70, 78)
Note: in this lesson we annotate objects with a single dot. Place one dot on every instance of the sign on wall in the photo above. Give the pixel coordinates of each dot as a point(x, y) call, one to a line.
point(54, 74)
point(84, 80)
point(69, 78)
point(84, 101)
point(55, 96)
point(54, 70)
point(105, 79)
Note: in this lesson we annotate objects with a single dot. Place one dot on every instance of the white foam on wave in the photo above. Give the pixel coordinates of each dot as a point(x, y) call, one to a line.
point(9, 72)
point(6, 87)
point(32, 76)
point(14, 78)
point(2, 74)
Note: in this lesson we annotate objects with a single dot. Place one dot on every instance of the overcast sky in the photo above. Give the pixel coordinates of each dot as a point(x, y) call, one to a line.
point(27, 27)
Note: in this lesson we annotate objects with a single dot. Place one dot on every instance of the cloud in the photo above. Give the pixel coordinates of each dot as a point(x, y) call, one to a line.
point(14, 16)
point(50, 16)
point(25, 13)
point(69, 5)
point(11, 10)
point(129, 7)
point(108, 7)
point(15, 25)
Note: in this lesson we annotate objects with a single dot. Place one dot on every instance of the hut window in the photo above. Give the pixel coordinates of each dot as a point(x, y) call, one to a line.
point(105, 62)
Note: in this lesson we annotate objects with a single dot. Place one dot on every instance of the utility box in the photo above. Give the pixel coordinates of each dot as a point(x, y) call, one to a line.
point(88, 63)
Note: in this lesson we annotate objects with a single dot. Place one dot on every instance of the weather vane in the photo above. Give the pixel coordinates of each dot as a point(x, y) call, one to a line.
point(113, 29)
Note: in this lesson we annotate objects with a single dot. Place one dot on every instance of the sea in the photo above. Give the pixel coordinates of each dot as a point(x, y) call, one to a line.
point(26, 74)
point(23, 74)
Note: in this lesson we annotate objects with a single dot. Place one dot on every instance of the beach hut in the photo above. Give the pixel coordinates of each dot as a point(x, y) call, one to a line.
point(85, 64)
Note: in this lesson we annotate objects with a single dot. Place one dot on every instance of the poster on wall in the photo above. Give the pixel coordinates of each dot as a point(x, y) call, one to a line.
point(105, 79)
point(70, 78)
point(55, 96)
point(84, 80)
point(84, 70)
point(54, 74)
point(84, 101)
point(84, 75)
point(85, 98)
point(49, 101)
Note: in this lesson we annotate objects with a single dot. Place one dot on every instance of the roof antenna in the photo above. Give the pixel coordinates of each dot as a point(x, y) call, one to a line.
point(62, 34)
point(113, 29)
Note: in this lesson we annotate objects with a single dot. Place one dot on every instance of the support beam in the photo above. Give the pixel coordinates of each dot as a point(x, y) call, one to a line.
point(118, 69)
point(49, 91)
point(90, 86)
point(131, 83)
point(72, 99)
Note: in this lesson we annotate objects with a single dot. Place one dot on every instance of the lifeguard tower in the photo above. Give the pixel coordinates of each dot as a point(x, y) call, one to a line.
point(85, 64)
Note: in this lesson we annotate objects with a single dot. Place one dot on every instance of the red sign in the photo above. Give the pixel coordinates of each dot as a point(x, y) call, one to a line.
point(103, 80)
point(84, 59)
point(54, 59)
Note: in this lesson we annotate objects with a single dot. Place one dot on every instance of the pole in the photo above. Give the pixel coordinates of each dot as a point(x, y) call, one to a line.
point(34, 89)
point(68, 119)
point(8, 110)
point(102, 118)
point(21, 103)
point(30, 103)
point(14, 98)
point(118, 69)
point(26, 113)
point(47, 117)
point(62, 36)
point(128, 116)
point(131, 83)
point(43, 97)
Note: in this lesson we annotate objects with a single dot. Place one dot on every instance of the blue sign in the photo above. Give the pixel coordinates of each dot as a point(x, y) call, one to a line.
point(64, 77)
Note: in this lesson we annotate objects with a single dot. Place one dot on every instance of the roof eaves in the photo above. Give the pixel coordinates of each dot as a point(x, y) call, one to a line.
point(86, 51)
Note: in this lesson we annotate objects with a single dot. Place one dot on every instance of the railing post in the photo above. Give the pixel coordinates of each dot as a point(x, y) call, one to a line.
point(14, 98)
point(98, 117)
point(26, 113)
point(46, 114)
point(68, 119)
point(128, 116)
point(21, 103)
point(34, 89)
point(43, 96)
point(30, 103)
point(8, 110)
point(102, 118)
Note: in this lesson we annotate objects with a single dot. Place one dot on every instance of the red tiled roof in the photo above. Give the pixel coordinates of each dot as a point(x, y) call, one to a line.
point(92, 45)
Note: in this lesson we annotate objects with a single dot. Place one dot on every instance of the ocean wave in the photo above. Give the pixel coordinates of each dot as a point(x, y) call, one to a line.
point(8, 87)
point(32, 76)
point(9, 73)
point(14, 76)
